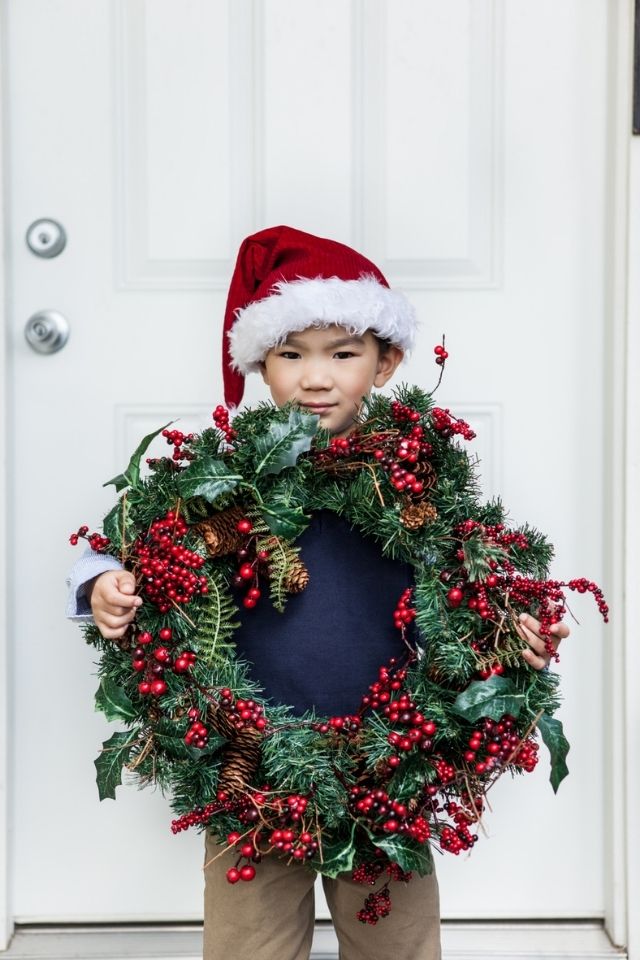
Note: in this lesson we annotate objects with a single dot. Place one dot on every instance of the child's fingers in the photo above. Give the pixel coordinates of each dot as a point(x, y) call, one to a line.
point(114, 621)
point(526, 627)
point(110, 634)
point(126, 582)
point(114, 598)
point(534, 659)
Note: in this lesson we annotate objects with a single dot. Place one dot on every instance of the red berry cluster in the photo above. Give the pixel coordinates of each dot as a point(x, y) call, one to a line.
point(446, 772)
point(402, 413)
point(376, 906)
point(341, 447)
point(496, 534)
point(167, 567)
point(248, 572)
point(301, 846)
point(154, 662)
point(247, 849)
point(368, 872)
point(197, 735)
point(494, 743)
point(201, 815)
point(446, 424)
point(408, 449)
point(221, 419)
point(243, 713)
point(374, 806)
point(419, 732)
point(345, 725)
point(441, 354)
point(457, 839)
point(390, 679)
point(404, 614)
point(96, 541)
point(176, 439)
point(582, 585)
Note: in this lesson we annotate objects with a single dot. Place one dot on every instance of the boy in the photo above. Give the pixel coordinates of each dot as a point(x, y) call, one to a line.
point(321, 325)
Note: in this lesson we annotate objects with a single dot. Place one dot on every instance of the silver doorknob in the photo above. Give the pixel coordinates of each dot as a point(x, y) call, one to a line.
point(47, 331)
point(46, 238)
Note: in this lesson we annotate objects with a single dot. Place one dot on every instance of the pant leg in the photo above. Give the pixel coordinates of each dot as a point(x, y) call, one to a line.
point(268, 918)
point(411, 931)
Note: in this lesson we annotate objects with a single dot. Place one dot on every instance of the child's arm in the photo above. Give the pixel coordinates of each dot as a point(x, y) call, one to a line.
point(80, 580)
point(102, 591)
point(536, 655)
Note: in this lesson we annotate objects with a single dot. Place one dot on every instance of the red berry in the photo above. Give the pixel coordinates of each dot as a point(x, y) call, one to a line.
point(454, 596)
point(244, 526)
point(233, 874)
point(145, 637)
point(247, 872)
point(158, 687)
point(165, 634)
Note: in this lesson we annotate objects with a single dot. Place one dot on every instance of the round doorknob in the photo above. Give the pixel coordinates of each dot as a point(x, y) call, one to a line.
point(46, 238)
point(47, 331)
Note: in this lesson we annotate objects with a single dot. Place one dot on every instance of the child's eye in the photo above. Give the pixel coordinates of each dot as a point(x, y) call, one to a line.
point(289, 355)
point(344, 354)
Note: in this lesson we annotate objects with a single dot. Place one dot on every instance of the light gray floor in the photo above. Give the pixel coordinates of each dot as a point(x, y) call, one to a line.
point(461, 941)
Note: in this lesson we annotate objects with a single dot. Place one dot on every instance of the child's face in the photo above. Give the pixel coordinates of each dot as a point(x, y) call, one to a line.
point(328, 371)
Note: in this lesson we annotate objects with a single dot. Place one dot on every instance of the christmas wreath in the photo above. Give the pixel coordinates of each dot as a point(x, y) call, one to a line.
point(214, 526)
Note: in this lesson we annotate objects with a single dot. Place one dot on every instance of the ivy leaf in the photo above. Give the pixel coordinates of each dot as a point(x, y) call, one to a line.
point(284, 521)
point(283, 443)
point(207, 478)
point(408, 856)
point(113, 701)
point(131, 476)
point(109, 763)
point(558, 746)
point(489, 698)
point(338, 856)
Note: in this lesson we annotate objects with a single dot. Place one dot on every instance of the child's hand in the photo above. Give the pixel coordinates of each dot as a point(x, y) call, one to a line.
point(535, 654)
point(113, 602)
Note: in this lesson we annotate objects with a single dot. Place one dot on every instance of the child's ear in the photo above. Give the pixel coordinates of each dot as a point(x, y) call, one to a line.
point(388, 362)
point(263, 372)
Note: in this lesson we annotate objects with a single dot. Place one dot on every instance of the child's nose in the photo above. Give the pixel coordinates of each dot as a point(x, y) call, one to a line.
point(315, 376)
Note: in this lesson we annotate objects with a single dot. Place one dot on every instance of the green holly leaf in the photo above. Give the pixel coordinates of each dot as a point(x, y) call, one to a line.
point(283, 443)
point(109, 763)
point(111, 525)
point(408, 854)
point(489, 698)
point(338, 856)
point(284, 521)
point(113, 702)
point(177, 749)
point(207, 478)
point(131, 476)
point(558, 746)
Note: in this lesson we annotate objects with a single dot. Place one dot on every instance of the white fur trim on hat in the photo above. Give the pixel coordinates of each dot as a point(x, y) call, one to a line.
point(358, 305)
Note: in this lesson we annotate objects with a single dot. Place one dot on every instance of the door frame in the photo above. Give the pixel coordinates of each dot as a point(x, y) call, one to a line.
point(621, 511)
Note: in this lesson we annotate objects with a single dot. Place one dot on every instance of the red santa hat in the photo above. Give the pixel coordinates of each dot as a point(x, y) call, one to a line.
point(285, 281)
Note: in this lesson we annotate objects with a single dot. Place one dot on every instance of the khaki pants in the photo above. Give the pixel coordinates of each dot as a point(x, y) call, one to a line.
point(272, 916)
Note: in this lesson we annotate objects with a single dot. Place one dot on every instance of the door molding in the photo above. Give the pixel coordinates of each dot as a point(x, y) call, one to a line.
point(621, 518)
point(6, 922)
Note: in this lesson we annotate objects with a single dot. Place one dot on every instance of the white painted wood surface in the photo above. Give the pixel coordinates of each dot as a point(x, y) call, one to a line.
point(462, 147)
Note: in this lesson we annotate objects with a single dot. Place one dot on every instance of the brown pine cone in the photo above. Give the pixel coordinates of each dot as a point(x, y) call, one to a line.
point(241, 759)
point(219, 531)
point(297, 579)
point(415, 515)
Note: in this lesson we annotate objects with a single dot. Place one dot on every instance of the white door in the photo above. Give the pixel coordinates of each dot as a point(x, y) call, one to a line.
point(461, 145)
